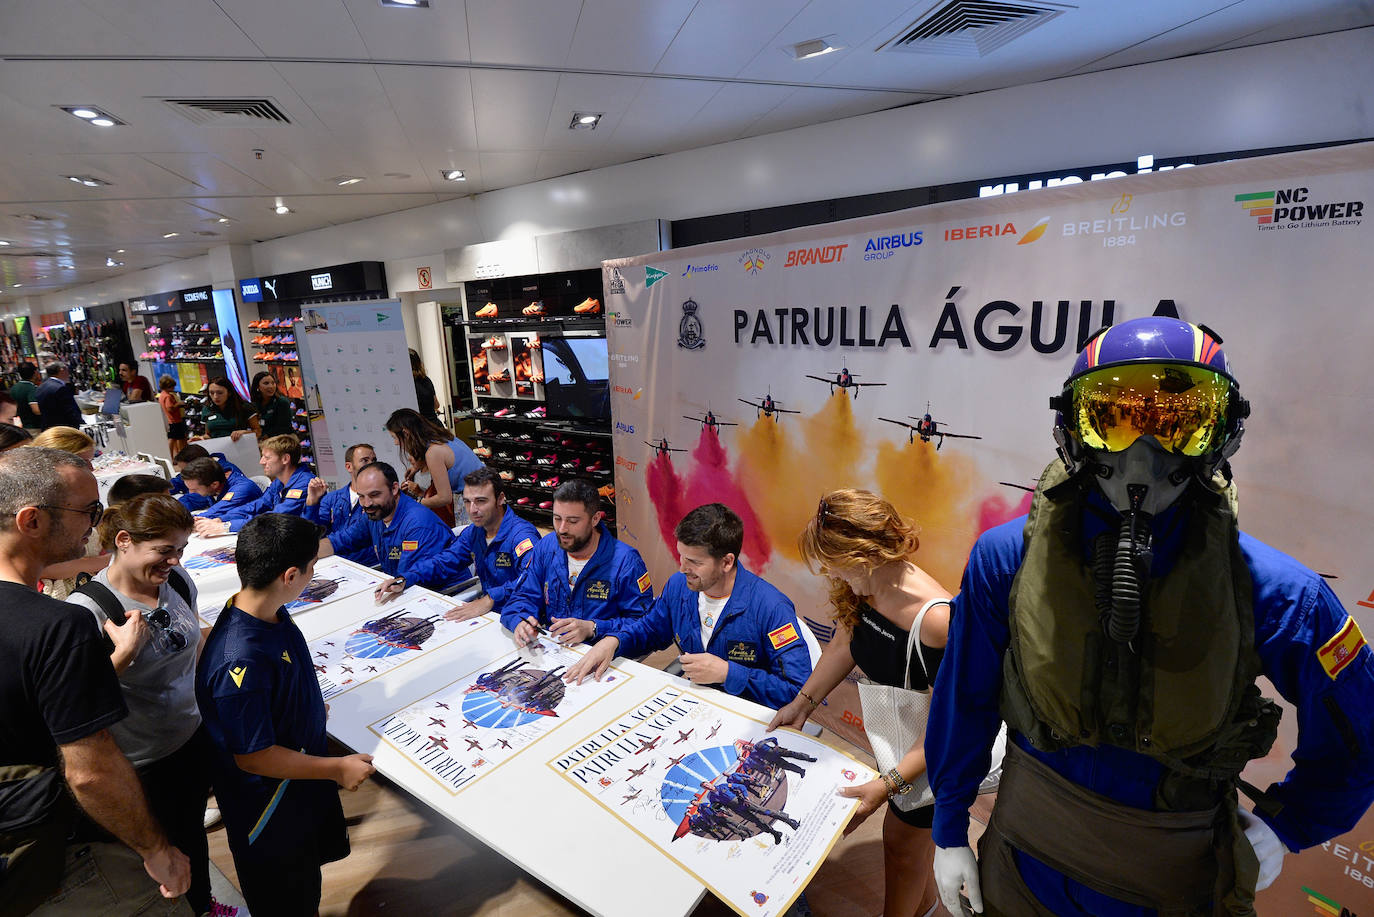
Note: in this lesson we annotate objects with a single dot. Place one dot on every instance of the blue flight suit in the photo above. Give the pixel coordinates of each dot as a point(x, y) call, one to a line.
point(238, 491)
point(757, 634)
point(1296, 614)
point(288, 498)
point(500, 563)
point(614, 586)
point(416, 545)
point(336, 511)
point(193, 502)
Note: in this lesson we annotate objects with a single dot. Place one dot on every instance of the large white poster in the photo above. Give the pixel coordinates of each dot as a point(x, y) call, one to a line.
point(914, 354)
point(750, 814)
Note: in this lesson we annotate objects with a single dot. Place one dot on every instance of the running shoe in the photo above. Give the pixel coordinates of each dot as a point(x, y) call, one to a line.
point(508, 476)
point(546, 504)
point(494, 343)
point(487, 311)
point(482, 452)
point(549, 459)
point(607, 491)
point(502, 376)
point(534, 308)
point(549, 482)
point(523, 501)
point(504, 412)
point(525, 457)
point(588, 306)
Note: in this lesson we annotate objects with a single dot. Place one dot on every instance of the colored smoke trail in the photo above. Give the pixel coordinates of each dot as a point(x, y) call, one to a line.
point(665, 492)
point(785, 479)
point(936, 490)
point(995, 510)
point(710, 481)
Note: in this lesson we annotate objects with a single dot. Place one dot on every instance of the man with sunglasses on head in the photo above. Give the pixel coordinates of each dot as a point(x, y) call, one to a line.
point(58, 699)
point(1119, 629)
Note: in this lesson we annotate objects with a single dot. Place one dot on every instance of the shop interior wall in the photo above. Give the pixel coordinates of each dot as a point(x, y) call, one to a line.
point(1282, 94)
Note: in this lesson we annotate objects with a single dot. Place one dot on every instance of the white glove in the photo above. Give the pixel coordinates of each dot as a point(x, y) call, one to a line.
point(955, 868)
point(1269, 849)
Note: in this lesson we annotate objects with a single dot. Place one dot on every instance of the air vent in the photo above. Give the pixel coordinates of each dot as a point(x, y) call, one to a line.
point(229, 112)
point(972, 28)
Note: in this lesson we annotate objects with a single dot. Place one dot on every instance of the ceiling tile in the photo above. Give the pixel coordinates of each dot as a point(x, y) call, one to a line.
point(847, 24)
point(656, 120)
point(722, 36)
point(626, 35)
point(581, 92)
point(814, 106)
point(512, 107)
point(731, 112)
point(299, 28)
point(439, 33)
point(503, 169)
point(535, 33)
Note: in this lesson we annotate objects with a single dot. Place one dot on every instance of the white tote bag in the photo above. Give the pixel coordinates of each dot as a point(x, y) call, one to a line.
point(895, 719)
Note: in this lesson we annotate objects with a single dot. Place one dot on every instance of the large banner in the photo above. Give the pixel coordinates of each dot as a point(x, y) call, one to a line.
point(914, 354)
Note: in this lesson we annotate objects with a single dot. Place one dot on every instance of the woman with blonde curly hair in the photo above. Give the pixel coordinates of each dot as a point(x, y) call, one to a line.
point(68, 439)
point(864, 546)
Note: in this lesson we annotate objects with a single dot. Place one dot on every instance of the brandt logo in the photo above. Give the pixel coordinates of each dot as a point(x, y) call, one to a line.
point(625, 463)
point(826, 254)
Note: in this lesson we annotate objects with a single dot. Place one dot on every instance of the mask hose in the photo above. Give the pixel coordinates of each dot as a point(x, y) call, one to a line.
point(1131, 561)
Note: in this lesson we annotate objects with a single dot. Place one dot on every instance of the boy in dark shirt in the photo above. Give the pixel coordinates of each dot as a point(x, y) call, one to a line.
point(275, 782)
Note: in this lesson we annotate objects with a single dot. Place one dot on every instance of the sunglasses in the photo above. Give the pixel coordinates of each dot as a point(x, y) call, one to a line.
point(95, 510)
point(161, 618)
point(822, 512)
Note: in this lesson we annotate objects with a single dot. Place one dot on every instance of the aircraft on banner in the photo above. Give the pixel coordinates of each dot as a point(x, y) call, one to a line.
point(767, 407)
point(927, 429)
point(844, 379)
point(710, 421)
point(661, 448)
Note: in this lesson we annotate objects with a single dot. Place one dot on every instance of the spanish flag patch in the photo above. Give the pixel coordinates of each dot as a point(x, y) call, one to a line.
point(294, 493)
point(1338, 652)
point(643, 582)
point(409, 545)
point(522, 547)
point(783, 636)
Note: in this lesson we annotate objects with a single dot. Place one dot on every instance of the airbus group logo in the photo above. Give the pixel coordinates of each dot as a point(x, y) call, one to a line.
point(753, 261)
point(880, 248)
point(997, 230)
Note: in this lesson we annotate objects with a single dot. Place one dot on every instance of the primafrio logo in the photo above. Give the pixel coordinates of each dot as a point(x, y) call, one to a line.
point(820, 254)
point(880, 248)
point(754, 260)
point(1293, 208)
point(700, 269)
point(997, 231)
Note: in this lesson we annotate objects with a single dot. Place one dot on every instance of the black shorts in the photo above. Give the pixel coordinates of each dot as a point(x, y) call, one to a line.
point(916, 818)
point(178, 430)
point(279, 888)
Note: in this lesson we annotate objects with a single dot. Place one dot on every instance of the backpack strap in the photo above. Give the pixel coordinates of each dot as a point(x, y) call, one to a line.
point(181, 585)
point(102, 596)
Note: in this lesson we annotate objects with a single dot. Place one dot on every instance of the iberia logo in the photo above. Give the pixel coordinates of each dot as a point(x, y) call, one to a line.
point(1324, 906)
point(754, 260)
point(995, 230)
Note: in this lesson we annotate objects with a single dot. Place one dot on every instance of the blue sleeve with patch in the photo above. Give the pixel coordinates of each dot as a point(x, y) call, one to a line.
point(241, 691)
point(786, 667)
point(239, 492)
point(634, 593)
point(353, 537)
point(525, 598)
point(964, 712)
point(434, 562)
point(650, 632)
point(499, 592)
point(1315, 655)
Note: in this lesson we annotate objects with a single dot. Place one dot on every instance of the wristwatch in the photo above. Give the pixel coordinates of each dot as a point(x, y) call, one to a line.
point(593, 636)
point(897, 783)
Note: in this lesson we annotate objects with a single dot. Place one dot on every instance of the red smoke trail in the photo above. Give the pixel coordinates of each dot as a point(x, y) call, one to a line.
point(665, 492)
point(712, 482)
point(993, 511)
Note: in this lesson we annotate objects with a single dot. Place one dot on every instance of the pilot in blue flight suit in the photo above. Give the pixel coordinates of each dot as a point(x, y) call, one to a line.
point(338, 509)
point(223, 492)
point(734, 630)
point(281, 457)
point(408, 540)
point(498, 543)
point(177, 486)
point(1126, 674)
point(580, 580)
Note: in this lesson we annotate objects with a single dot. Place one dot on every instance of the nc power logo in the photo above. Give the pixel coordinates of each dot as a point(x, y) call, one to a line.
point(1292, 208)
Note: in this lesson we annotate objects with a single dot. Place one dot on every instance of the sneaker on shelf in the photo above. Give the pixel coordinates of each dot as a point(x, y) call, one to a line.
point(503, 456)
point(595, 466)
point(530, 479)
point(205, 326)
point(572, 464)
point(607, 491)
point(523, 501)
point(525, 457)
point(549, 482)
point(546, 460)
point(478, 409)
point(502, 376)
point(487, 311)
point(482, 452)
point(504, 412)
point(494, 343)
point(523, 438)
point(588, 306)
point(534, 308)
point(546, 504)
point(507, 475)
point(536, 413)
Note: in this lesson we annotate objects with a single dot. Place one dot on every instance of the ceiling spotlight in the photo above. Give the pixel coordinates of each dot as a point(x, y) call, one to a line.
point(804, 50)
point(344, 181)
point(111, 262)
point(585, 120)
point(281, 209)
point(453, 175)
point(222, 220)
point(91, 115)
point(16, 285)
point(90, 181)
point(170, 235)
point(3, 242)
point(406, 4)
point(119, 251)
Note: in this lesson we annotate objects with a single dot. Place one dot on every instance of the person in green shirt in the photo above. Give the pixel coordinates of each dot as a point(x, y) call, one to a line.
point(23, 392)
point(274, 409)
point(227, 414)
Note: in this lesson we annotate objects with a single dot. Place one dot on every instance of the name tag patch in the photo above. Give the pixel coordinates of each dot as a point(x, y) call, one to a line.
point(503, 559)
point(599, 589)
point(740, 651)
point(783, 636)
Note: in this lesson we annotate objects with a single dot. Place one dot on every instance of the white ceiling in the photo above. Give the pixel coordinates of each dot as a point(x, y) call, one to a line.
point(487, 86)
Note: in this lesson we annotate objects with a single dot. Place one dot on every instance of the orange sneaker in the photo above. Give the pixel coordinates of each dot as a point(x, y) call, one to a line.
point(487, 311)
point(588, 306)
point(534, 343)
point(534, 308)
point(494, 343)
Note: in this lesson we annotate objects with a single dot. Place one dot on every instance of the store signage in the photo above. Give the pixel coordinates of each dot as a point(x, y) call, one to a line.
point(76, 315)
point(249, 290)
point(359, 277)
point(1143, 165)
point(170, 301)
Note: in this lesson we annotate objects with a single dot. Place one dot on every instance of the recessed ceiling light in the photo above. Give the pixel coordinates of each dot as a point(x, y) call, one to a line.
point(119, 251)
point(804, 50)
point(91, 115)
point(344, 180)
point(281, 209)
point(406, 4)
point(222, 220)
point(90, 181)
point(103, 122)
point(585, 120)
point(16, 285)
point(111, 262)
point(170, 235)
point(85, 113)
point(453, 175)
point(3, 242)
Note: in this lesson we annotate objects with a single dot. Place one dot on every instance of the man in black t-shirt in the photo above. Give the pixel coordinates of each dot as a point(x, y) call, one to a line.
point(58, 697)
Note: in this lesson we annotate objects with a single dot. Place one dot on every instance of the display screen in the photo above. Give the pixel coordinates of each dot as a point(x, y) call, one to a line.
point(577, 379)
point(227, 318)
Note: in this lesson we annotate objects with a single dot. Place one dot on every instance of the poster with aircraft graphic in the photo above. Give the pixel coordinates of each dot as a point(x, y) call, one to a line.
point(471, 726)
point(750, 814)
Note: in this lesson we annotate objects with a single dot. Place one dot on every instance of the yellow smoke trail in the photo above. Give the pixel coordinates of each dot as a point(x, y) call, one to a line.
point(939, 491)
